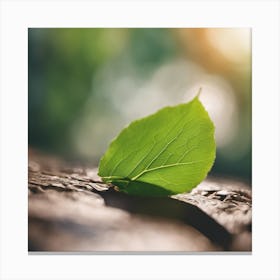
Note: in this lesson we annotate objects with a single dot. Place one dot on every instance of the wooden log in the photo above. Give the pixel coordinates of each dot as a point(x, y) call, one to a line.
point(70, 211)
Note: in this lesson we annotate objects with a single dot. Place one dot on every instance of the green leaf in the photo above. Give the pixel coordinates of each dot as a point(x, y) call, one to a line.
point(165, 153)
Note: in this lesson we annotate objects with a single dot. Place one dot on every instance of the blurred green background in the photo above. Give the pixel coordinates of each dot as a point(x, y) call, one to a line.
point(85, 85)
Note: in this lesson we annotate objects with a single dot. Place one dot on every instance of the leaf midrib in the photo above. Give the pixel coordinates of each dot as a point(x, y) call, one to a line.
point(164, 166)
point(154, 169)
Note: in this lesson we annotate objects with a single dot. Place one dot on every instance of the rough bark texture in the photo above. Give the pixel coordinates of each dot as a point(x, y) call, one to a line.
point(70, 212)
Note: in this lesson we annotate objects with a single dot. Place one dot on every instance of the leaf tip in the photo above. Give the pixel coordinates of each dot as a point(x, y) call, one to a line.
point(199, 92)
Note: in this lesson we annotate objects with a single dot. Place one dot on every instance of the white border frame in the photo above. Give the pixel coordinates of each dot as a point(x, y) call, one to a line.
point(17, 16)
